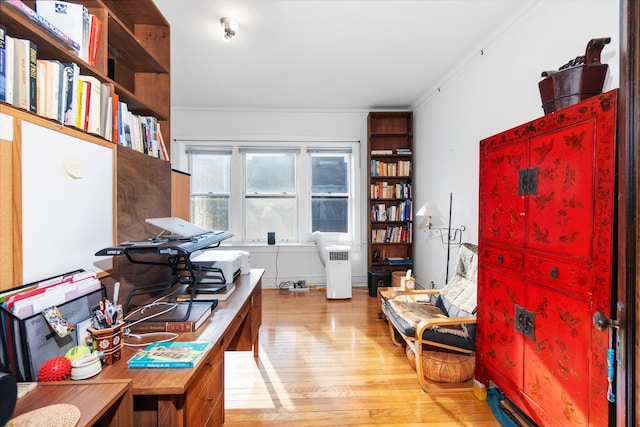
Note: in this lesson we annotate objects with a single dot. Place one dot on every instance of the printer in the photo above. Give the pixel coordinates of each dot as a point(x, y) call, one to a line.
point(230, 263)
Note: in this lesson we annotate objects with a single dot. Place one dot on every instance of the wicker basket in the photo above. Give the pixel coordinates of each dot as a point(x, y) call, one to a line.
point(444, 367)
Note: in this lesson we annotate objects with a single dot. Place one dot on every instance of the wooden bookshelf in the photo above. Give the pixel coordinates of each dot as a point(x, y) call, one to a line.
point(390, 200)
point(133, 52)
point(133, 58)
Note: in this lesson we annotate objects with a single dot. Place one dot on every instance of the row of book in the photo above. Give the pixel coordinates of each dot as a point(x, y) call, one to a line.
point(70, 23)
point(386, 190)
point(403, 211)
point(396, 234)
point(58, 91)
point(399, 168)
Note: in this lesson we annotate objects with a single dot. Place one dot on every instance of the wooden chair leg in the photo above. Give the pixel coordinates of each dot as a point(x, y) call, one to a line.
point(392, 333)
point(419, 367)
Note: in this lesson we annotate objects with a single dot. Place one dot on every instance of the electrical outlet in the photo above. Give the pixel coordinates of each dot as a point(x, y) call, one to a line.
point(297, 288)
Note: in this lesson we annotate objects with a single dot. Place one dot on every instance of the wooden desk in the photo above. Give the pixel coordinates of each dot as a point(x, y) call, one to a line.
point(195, 397)
point(103, 403)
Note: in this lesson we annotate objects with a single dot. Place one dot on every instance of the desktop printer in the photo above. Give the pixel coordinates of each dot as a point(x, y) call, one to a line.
point(229, 262)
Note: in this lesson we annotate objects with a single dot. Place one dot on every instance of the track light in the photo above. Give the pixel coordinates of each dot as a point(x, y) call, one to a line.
point(230, 27)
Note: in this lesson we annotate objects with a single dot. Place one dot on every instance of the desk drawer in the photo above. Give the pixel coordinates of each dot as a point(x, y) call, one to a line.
point(241, 327)
point(204, 396)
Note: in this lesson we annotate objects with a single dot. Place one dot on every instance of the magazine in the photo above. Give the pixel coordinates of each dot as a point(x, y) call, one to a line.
point(174, 354)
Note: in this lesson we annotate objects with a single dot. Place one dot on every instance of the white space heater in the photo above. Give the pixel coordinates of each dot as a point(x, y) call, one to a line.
point(338, 265)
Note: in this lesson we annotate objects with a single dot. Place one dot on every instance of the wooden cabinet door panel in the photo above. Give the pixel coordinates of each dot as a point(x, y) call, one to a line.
point(560, 214)
point(500, 346)
point(503, 207)
point(556, 361)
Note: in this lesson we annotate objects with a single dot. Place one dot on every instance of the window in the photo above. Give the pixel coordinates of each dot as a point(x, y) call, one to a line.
point(270, 194)
point(330, 192)
point(210, 188)
point(290, 189)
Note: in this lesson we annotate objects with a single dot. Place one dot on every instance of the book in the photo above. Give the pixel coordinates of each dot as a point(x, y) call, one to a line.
point(163, 146)
point(124, 130)
point(25, 75)
point(42, 22)
point(71, 74)
point(33, 74)
point(399, 261)
point(200, 312)
point(105, 102)
point(9, 46)
point(86, 34)
point(41, 106)
point(94, 39)
point(115, 112)
point(48, 88)
point(174, 354)
point(3, 64)
point(66, 17)
point(25, 387)
point(21, 74)
point(220, 296)
point(81, 104)
point(93, 104)
point(59, 100)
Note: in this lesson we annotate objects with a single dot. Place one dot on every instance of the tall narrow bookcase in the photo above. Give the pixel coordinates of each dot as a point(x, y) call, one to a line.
point(390, 171)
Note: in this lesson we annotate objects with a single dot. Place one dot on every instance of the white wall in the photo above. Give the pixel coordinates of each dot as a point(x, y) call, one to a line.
point(495, 89)
point(485, 94)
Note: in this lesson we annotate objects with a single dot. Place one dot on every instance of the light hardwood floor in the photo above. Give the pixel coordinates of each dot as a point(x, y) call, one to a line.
point(331, 363)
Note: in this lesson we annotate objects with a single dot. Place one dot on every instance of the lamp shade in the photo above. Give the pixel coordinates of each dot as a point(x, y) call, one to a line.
point(428, 209)
point(425, 215)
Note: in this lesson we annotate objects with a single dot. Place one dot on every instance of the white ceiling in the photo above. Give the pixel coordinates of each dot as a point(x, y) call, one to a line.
point(323, 54)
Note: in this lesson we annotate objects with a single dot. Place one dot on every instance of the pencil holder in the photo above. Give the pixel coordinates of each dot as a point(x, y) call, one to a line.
point(108, 342)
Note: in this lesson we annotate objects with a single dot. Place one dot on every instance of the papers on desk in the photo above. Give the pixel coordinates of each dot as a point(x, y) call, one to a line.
point(36, 297)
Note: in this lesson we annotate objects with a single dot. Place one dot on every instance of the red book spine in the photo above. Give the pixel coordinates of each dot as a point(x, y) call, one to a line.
point(94, 39)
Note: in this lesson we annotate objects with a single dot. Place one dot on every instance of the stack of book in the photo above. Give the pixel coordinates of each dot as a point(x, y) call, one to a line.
point(399, 261)
point(171, 321)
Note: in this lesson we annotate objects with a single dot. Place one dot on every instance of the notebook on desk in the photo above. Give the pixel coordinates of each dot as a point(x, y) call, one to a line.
point(180, 227)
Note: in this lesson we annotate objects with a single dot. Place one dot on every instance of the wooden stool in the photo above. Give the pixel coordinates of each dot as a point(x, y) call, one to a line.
point(443, 367)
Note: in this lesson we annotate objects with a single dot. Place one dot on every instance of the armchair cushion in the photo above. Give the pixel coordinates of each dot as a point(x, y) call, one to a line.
point(453, 335)
point(461, 293)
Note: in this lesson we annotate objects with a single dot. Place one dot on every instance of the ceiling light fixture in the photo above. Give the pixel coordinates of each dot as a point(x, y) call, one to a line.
point(230, 27)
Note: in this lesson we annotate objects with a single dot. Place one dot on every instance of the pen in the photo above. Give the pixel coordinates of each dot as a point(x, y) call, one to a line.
point(116, 291)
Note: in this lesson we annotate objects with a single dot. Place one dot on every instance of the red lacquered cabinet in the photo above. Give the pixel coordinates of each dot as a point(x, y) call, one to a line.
point(546, 262)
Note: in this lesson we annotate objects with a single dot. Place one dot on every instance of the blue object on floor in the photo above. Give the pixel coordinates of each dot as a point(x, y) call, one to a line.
point(494, 397)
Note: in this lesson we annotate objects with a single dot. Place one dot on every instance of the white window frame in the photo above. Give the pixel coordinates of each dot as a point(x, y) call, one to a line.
point(243, 150)
point(214, 150)
point(303, 183)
